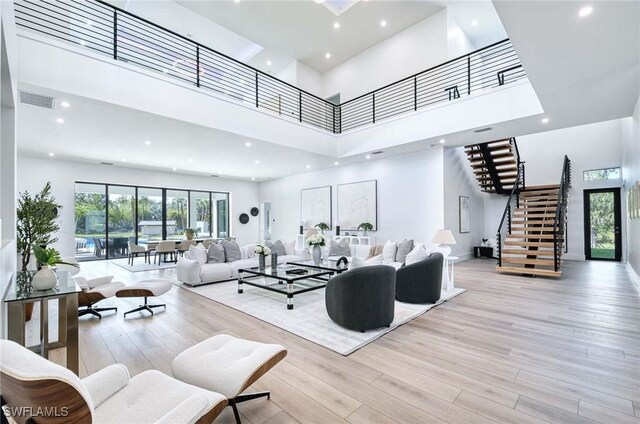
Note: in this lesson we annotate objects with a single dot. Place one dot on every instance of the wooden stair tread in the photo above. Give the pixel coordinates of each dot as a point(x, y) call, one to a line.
point(526, 261)
point(529, 271)
point(542, 187)
point(544, 230)
point(528, 243)
point(510, 253)
point(533, 236)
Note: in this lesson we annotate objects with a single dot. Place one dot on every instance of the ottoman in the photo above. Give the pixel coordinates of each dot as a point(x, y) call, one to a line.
point(227, 365)
point(145, 288)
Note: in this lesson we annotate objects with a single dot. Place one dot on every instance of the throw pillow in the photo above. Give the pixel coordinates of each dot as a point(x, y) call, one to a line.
point(290, 247)
point(418, 254)
point(277, 247)
point(215, 254)
point(248, 251)
point(404, 248)
point(389, 252)
point(231, 251)
point(340, 248)
point(199, 253)
point(358, 262)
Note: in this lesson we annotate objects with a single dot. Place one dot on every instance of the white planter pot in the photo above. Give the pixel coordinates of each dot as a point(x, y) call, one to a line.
point(44, 279)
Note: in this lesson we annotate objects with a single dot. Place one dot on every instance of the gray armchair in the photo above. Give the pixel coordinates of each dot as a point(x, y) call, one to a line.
point(363, 298)
point(420, 282)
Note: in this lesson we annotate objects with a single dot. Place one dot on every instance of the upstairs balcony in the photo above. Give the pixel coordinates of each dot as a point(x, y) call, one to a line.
point(123, 37)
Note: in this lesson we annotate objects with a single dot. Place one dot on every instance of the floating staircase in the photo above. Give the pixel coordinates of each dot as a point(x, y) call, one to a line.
point(531, 235)
point(495, 164)
point(529, 246)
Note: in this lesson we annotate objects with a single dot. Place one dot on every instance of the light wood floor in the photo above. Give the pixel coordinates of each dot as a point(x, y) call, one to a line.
point(509, 350)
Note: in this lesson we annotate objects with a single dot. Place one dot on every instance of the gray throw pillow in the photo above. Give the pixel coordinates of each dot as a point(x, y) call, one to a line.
point(215, 253)
point(340, 248)
point(404, 248)
point(277, 247)
point(231, 251)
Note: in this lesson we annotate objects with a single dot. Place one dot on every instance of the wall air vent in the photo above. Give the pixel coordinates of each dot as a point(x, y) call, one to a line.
point(482, 130)
point(378, 152)
point(215, 176)
point(36, 100)
point(106, 163)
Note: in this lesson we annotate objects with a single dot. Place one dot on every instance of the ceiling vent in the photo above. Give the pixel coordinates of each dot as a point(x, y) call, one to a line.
point(482, 130)
point(106, 163)
point(215, 176)
point(36, 100)
point(377, 152)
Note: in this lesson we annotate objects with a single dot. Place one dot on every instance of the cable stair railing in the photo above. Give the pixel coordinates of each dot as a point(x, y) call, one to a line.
point(106, 29)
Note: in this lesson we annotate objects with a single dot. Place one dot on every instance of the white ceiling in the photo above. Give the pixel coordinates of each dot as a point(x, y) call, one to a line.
point(303, 30)
point(95, 131)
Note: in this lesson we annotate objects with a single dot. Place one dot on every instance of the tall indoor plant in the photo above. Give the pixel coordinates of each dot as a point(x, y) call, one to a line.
point(36, 222)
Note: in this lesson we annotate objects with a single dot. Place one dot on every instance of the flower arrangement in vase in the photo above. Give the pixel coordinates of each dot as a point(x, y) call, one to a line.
point(316, 241)
point(262, 251)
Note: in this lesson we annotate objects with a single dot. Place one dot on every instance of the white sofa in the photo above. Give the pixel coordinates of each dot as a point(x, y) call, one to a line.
point(192, 273)
point(359, 250)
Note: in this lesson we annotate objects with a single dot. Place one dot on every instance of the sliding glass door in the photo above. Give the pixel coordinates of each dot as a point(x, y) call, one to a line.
point(108, 216)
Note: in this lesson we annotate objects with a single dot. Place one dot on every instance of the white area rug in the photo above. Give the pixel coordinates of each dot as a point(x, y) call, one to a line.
point(139, 265)
point(309, 318)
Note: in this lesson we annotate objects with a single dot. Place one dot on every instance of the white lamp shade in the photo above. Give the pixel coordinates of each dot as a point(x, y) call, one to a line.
point(443, 237)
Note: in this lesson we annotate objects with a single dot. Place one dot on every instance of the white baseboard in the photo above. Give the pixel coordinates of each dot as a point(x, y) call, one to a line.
point(573, 257)
point(464, 257)
point(635, 278)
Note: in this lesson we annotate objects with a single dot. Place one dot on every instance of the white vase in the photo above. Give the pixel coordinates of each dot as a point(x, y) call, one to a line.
point(44, 279)
point(317, 254)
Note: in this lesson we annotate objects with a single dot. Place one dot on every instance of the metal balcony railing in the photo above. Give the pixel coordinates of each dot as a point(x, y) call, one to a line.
point(125, 37)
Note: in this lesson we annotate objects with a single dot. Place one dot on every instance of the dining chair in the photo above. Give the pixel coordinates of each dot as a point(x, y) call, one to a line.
point(164, 248)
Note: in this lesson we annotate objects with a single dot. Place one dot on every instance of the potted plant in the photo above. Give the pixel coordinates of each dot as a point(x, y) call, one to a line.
point(190, 233)
point(365, 226)
point(322, 226)
point(316, 241)
point(36, 216)
point(262, 251)
point(47, 258)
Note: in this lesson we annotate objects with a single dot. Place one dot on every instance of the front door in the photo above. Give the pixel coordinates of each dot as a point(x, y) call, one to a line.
point(602, 221)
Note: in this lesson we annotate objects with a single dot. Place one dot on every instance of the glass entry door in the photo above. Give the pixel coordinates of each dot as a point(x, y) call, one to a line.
point(602, 224)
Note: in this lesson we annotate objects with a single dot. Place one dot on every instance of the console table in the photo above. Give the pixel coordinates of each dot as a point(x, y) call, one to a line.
point(66, 293)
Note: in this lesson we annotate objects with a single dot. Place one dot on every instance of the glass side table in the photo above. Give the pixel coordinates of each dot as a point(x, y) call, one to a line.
point(66, 293)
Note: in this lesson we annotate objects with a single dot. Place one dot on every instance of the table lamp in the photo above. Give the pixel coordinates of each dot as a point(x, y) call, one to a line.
point(443, 238)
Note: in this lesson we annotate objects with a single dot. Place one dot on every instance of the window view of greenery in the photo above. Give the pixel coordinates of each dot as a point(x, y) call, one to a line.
point(205, 212)
point(601, 174)
point(90, 212)
point(602, 225)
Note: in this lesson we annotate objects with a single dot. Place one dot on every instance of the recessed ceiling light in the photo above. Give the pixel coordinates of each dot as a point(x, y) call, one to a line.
point(335, 163)
point(148, 143)
point(308, 166)
point(237, 1)
point(65, 104)
point(336, 25)
point(83, 43)
point(247, 144)
point(51, 154)
point(383, 23)
point(124, 159)
point(327, 55)
point(474, 22)
point(190, 160)
point(442, 140)
point(585, 11)
point(268, 63)
point(175, 169)
point(544, 120)
point(60, 121)
point(319, 1)
point(257, 161)
point(368, 156)
point(253, 178)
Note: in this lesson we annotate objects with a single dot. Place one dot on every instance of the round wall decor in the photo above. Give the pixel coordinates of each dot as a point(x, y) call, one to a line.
point(244, 218)
point(255, 211)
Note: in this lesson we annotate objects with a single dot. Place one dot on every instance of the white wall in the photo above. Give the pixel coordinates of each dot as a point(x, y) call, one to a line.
point(631, 174)
point(458, 43)
point(415, 49)
point(310, 80)
point(35, 172)
point(8, 83)
point(410, 195)
point(590, 146)
point(459, 181)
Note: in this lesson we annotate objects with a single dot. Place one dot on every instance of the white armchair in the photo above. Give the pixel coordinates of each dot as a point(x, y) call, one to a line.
point(108, 396)
point(95, 290)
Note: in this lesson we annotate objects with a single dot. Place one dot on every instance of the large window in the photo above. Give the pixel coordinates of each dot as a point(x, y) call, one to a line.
point(601, 174)
point(108, 216)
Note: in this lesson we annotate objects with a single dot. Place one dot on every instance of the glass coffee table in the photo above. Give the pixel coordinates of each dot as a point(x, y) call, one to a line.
point(282, 280)
point(325, 264)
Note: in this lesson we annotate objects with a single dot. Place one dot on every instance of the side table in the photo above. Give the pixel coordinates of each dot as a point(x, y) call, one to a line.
point(448, 272)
